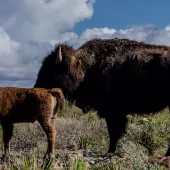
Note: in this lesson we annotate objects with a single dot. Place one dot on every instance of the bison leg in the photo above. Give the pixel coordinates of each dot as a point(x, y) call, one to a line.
point(7, 134)
point(168, 152)
point(49, 129)
point(116, 127)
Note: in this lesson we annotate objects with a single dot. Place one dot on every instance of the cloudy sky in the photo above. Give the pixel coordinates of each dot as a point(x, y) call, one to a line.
point(29, 29)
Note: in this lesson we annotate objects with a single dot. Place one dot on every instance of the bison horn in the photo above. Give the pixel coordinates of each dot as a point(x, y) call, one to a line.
point(59, 57)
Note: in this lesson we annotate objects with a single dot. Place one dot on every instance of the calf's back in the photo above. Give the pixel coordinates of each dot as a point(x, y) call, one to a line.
point(24, 104)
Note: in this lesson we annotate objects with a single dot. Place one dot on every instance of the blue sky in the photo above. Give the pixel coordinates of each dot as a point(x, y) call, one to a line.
point(121, 14)
point(29, 29)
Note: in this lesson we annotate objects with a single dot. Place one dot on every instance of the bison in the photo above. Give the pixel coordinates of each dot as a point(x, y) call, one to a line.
point(115, 77)
point(28, 105)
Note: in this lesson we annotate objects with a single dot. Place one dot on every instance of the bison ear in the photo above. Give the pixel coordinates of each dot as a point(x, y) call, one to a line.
point(59, 56)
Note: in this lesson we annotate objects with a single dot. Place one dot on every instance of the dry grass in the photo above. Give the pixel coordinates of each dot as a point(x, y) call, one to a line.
point(86, 137)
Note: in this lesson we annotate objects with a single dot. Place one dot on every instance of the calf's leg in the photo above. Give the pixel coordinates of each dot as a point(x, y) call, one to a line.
point(53, 122)
point(49, 129)
point(7, 134)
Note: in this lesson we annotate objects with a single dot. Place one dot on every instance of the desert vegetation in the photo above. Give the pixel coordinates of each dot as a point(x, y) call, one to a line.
point(82, 139)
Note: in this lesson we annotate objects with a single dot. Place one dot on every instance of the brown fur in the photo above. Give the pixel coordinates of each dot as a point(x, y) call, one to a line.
point(116, 77)
point(28, 105)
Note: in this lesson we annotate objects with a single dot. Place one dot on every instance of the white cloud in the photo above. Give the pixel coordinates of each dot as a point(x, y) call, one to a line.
point(29, 29)
point(23, 60)
point(16, 83)
point(139, 33)
point(97, 33)
point(147, 33)
point(8, 47)
point(41, 20)
point(167, 28)
point(64, 37)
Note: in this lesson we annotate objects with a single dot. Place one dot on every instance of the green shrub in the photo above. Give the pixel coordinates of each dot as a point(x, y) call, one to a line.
point(151, 132)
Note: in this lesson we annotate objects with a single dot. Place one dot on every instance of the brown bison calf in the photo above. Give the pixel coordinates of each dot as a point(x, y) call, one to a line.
point(28, 105)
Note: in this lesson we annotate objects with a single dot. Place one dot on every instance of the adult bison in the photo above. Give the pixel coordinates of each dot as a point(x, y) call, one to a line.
point(116, 77)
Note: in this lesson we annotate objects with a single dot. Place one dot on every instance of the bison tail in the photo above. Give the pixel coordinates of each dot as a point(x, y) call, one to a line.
point(58, 94)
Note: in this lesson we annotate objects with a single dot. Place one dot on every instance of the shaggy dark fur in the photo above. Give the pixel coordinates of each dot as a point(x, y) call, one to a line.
point(116, 77)
point(28, 105)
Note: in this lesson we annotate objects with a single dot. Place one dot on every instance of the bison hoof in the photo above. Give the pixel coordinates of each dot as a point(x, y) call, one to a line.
point(109, 154)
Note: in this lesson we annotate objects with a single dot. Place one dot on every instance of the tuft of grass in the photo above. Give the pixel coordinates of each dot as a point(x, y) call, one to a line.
point(151, 132)
point(30, 162)
point(80, 164)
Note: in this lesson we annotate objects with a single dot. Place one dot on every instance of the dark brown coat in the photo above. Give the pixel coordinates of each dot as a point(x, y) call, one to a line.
point(116, 77)
point(28, 105)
